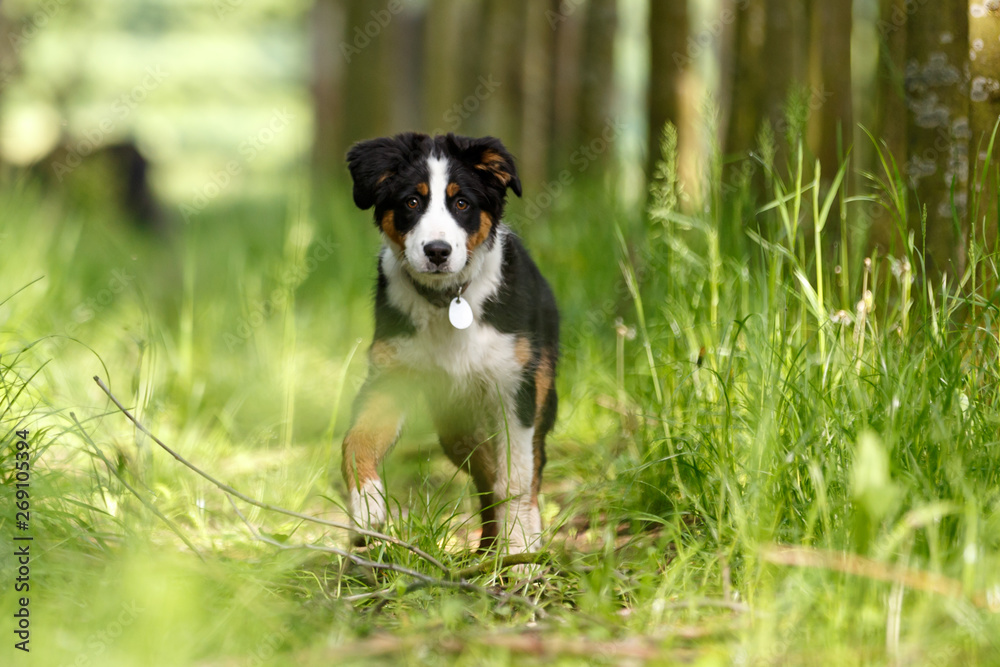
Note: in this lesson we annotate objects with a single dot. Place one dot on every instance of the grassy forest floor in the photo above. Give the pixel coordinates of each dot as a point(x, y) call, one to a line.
point(763, 456)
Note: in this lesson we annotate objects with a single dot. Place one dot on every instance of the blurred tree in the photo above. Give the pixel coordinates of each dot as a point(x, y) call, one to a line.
point(890, 107)
point(937, 126)
point(771, 56)
point(366, 47)
point(597, 66)
point(536, 113)
point(891, 98)
point(669, 61)
point(500, 102)
point(6, 72)
point(567, 29)
point(984, 107)
point(830, 94)
point(327, 20)
point(443, 65)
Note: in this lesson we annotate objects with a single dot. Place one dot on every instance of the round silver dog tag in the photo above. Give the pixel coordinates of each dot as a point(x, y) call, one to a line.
point(460, 313)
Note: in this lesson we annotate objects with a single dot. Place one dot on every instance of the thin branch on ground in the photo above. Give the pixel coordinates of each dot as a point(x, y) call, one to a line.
point(121, 478)
point(344, 553)
point(860, 566)
point(423, 580)
point(267, 506)
point(695, 603)
point(491, 564)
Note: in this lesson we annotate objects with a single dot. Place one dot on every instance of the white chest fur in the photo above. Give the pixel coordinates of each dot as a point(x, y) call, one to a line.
point(480, 354)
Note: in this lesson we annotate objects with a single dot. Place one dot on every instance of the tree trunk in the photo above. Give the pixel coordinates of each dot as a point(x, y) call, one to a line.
point(669, 61)
point(504, 42)
point(984, 112)
point(728, 45)
point(8, 68)
point(327, 79)
point(367, 50)
point(771, 57)
point(597, 73)
point(536, 114)
point(442, 84)
point(937, 126)
point(567, 27)
point(830, 99)
point(890, 107)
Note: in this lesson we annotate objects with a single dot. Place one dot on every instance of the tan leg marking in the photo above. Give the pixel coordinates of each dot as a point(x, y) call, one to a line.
point(373, 432)
point(522, 351)
point(544, 378)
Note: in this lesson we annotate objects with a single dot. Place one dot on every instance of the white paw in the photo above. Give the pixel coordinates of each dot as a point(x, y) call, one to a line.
point(521, 527)
point(368, 507)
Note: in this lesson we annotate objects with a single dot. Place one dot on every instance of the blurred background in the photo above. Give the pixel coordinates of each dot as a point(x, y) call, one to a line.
point(770, 226)
point(203, 104)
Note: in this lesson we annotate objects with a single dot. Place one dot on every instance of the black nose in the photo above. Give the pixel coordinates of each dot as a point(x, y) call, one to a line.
point(438, 252)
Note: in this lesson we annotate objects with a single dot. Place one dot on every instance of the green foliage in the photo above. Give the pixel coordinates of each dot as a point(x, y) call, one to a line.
point(724, 401)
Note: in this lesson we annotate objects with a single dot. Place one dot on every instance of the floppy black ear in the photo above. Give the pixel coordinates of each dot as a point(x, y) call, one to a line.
point(490, 157)
point(375, 162)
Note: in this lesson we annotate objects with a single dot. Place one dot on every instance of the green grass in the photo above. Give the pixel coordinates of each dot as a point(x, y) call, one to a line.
point(747, 469)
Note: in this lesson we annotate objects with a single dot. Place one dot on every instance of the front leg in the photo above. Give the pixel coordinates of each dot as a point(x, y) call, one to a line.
point(519, 521)
point(378, 417)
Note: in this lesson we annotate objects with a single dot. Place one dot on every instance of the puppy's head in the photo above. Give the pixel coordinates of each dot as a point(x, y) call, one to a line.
point(437, 200)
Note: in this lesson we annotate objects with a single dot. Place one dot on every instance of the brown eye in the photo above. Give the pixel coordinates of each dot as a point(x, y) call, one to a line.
point(461, 204)
point(412, 202)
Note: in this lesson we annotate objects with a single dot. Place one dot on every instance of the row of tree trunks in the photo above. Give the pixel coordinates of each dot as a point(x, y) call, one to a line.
point(539, 75)
point(939, 69)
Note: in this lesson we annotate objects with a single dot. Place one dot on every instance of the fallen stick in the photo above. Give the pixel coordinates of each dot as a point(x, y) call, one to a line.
point(266, 506)
point(860, 566)
point(149, 505)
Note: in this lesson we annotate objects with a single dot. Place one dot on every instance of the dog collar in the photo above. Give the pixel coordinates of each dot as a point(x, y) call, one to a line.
point(437, 298)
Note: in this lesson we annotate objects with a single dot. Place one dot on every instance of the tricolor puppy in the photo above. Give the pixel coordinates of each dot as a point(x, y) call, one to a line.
point(462, 317)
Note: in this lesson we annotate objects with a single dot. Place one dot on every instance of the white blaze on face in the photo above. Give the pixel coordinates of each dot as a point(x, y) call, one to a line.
point(437, 224)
